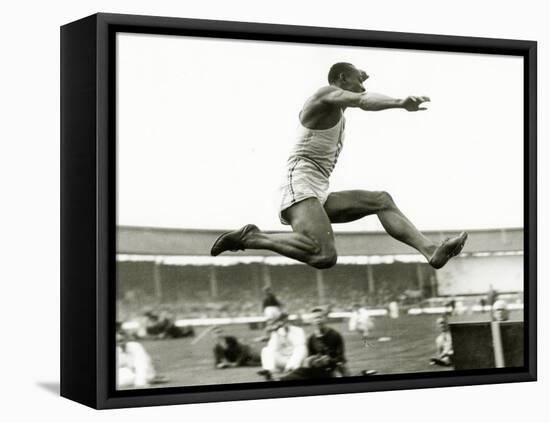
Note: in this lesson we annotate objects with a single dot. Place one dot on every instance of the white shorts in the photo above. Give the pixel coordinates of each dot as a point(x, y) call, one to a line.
point(303, 180)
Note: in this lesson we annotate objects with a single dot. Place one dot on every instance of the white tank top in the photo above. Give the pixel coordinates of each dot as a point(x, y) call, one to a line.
point(321, 147)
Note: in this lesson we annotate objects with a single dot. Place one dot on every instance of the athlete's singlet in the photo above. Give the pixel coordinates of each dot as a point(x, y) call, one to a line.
point(310, 164)
point(319, 146)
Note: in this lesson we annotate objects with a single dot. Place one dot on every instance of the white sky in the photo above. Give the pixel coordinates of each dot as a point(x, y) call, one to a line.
point(205, 127)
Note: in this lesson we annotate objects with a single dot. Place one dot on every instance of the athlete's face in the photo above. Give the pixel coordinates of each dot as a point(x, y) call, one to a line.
point(353, 80)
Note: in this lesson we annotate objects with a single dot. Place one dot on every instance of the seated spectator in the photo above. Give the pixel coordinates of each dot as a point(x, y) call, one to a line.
point(134, 365)
point(163, 326)
point(286, 348)
point(326, 352)
point(444, 345)
point(229, 352)
point(272, 309)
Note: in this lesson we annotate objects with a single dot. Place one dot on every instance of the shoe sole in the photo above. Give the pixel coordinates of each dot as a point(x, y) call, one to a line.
point(216, 244)
point(459, 247)
point(453, 253)
point(242, 232)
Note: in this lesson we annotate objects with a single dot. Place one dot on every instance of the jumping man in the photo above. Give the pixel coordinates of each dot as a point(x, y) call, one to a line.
point(306, 203)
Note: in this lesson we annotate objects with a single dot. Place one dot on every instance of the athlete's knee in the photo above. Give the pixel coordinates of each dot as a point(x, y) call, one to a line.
point(324, 260)
point(385, 200)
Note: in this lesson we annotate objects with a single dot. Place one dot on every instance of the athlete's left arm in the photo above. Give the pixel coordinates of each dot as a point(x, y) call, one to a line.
point(376, 102)
point(369, 101)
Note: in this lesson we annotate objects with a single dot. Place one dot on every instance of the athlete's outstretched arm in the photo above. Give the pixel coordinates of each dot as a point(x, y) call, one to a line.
point(375, 102)
point(371, 101)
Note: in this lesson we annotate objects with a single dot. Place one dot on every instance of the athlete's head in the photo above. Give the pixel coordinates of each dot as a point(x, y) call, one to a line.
point(347, 77)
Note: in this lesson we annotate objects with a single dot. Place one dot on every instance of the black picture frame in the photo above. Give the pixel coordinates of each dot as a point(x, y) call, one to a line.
point(88, 198)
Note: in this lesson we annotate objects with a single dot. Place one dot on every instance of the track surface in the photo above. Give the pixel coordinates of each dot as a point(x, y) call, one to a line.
point(411, 344)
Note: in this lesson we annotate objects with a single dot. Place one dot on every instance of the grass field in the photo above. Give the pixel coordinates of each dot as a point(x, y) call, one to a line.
point(411, 343)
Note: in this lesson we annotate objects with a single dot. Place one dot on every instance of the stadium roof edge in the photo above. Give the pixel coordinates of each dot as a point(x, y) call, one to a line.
point(218, 231)
point(197, 242)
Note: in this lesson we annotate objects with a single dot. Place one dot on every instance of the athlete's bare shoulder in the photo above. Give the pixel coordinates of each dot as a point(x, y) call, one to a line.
point(323, 92)
point(317, 113)
point(322, 95)
point(335, 97)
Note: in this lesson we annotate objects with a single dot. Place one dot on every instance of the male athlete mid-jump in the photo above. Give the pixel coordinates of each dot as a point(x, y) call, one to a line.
point(306, 203)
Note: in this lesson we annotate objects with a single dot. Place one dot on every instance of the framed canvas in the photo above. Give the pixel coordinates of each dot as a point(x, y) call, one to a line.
point(256, 211)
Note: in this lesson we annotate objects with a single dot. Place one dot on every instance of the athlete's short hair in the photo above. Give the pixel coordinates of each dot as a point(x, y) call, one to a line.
point(337, 69)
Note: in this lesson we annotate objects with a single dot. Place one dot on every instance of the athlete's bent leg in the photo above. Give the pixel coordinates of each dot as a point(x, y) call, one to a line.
point(347, 206)
point(312, 241)
point(308, 217)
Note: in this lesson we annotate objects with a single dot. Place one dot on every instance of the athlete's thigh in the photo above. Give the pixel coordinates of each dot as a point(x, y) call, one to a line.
point(309, 217)
point(347, 206)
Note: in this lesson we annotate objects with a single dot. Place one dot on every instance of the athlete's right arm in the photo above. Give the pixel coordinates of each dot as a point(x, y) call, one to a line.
point(368, 101)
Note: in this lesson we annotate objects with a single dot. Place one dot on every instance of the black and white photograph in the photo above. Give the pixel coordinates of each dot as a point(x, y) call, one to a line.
point(275, 212)
point(303, 212)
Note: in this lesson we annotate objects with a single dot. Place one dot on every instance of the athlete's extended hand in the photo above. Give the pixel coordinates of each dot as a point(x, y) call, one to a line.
point(412, 103)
